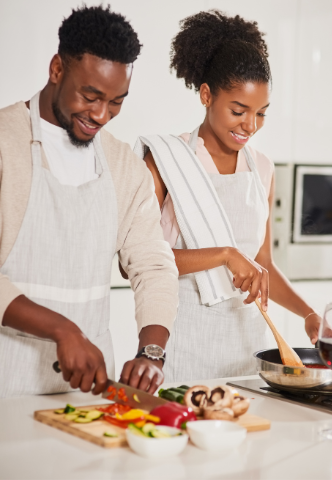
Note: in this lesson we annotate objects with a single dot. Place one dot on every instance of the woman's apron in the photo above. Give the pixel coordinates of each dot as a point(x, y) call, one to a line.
point(61, 260)
point(219, 341)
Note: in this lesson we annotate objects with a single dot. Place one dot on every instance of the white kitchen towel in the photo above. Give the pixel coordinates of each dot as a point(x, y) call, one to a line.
point(200, 215)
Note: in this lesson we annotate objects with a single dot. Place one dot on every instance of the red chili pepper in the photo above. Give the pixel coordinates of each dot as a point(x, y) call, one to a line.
point(173, 414)
point(122, 395)
point(112, 391)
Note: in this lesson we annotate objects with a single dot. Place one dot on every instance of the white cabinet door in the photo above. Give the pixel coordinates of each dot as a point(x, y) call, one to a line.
point(277, 18)
point(313, 114)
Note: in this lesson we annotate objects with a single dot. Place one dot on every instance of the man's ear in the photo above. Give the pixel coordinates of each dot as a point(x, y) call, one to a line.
point(56, 70)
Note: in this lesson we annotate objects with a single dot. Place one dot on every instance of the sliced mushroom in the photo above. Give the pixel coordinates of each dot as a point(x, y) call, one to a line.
point(223, 414)
point(197, 398)
point(240, 405)
point(221, 397)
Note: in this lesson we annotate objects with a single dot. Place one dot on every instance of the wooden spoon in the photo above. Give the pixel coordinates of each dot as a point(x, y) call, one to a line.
point(288, 355)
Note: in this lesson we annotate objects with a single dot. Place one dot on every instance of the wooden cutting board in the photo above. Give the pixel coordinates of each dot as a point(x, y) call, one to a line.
point(94, 431)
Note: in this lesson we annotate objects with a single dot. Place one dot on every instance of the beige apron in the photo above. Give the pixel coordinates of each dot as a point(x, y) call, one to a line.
point(62, 260)
point(218, 341)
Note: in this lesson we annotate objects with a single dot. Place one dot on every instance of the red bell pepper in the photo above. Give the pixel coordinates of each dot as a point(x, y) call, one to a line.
point(173, 414)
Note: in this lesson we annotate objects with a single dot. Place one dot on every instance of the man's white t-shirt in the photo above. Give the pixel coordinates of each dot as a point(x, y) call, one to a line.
point(69, 164)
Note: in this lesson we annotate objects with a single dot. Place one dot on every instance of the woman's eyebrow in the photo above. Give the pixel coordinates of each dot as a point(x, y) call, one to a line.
point(240, 104)
point(246, 106)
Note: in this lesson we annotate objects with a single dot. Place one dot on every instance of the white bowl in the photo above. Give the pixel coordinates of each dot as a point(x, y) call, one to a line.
point(158, 447)
point(216, 435)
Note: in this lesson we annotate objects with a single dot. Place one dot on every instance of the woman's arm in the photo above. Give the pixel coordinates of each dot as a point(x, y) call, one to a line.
point(281, 290)
point(247, 273)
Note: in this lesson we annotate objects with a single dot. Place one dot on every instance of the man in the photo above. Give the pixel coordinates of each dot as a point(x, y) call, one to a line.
point(71, 195)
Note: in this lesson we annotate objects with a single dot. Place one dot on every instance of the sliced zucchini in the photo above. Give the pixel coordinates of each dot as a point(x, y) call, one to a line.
point(159, 434)
point(69, 408)
point(136, 430)
point(58, 412)
point(110, 434)
point(71, 416)
point(148, 427)
point(94, 414)
point(82, 420)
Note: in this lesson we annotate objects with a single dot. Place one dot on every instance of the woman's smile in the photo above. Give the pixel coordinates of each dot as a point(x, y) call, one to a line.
point(240, 138)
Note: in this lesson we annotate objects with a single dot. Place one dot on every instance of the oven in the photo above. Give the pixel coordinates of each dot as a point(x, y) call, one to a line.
point(313, 204)
point(302, 221)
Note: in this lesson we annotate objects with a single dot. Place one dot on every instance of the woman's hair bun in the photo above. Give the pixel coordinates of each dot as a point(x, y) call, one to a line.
point(214, 48)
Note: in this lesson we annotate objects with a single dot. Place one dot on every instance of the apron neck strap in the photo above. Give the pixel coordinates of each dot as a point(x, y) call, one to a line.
point(36, 131)
point(193, 139)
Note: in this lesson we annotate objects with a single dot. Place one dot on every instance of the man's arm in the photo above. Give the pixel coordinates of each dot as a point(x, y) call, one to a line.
point(149, 263)
point(81, 362)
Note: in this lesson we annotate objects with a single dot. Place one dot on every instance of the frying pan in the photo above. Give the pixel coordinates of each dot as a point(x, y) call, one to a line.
point(294, 379)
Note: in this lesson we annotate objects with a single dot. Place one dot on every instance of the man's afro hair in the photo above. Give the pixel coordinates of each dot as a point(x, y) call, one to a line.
point(100, 32)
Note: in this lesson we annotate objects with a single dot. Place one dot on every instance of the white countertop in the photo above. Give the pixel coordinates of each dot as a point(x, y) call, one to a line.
point(292, 449)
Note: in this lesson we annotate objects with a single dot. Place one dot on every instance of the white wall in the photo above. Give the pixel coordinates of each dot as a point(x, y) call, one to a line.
point(297, 31)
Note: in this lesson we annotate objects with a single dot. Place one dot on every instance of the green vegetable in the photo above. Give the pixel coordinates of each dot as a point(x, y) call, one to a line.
point(69, 408)
point(159, 434)
point(178, 390)
point(137, 431)
point(94, 414)
point(58, 412)
point(148, 427)
point(71, 416)
point(110, 434)
point(174, 394)
point(81, 419)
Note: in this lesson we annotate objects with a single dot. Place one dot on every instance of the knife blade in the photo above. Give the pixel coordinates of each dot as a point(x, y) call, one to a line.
point(131, 396)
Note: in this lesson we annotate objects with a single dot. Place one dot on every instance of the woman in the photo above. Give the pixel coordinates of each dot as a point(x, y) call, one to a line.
point(225, 60)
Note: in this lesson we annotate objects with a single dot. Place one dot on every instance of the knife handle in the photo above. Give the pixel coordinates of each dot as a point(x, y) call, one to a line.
point(56, 367)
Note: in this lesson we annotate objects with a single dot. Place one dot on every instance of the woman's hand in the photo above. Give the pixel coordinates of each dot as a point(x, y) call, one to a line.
point(248, 276)
point(311, 326)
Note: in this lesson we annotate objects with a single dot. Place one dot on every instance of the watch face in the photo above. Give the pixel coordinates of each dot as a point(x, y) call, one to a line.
point(154, 351)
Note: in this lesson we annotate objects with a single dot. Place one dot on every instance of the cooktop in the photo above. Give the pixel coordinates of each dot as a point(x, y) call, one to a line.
point(315, 401)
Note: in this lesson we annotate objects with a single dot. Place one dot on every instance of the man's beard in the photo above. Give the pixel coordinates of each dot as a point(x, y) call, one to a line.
point(69, 127)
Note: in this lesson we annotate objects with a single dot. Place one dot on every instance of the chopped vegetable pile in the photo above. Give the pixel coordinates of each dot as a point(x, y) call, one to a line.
point(123, 415)
point(78, 415)
point(151, 431)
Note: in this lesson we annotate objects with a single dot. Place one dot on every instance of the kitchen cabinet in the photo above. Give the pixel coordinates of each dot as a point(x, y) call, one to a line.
point(313, 101)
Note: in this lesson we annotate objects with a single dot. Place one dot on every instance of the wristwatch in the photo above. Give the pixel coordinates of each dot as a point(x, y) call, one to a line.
point(153, 352)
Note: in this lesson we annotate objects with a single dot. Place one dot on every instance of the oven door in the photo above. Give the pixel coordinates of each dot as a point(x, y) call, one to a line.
point(313, 204)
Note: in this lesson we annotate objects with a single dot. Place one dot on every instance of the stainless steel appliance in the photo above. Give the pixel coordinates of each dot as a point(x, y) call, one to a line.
point(318, 401)
point(302, 221)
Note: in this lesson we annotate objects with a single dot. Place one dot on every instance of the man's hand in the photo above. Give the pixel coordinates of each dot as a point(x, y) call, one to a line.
point(312, 326)
point(80, 361)
point(143, 373)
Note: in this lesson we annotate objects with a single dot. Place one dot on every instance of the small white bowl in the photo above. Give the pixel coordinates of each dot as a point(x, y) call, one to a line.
point(158, 447)
point(216, 435)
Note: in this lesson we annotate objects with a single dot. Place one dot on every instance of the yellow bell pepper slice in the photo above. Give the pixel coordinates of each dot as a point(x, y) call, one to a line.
point(152, 418)
point(134, 413)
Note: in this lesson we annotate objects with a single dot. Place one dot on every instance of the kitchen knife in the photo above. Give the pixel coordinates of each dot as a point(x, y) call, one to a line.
point(135, 398)
point(131, 396)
